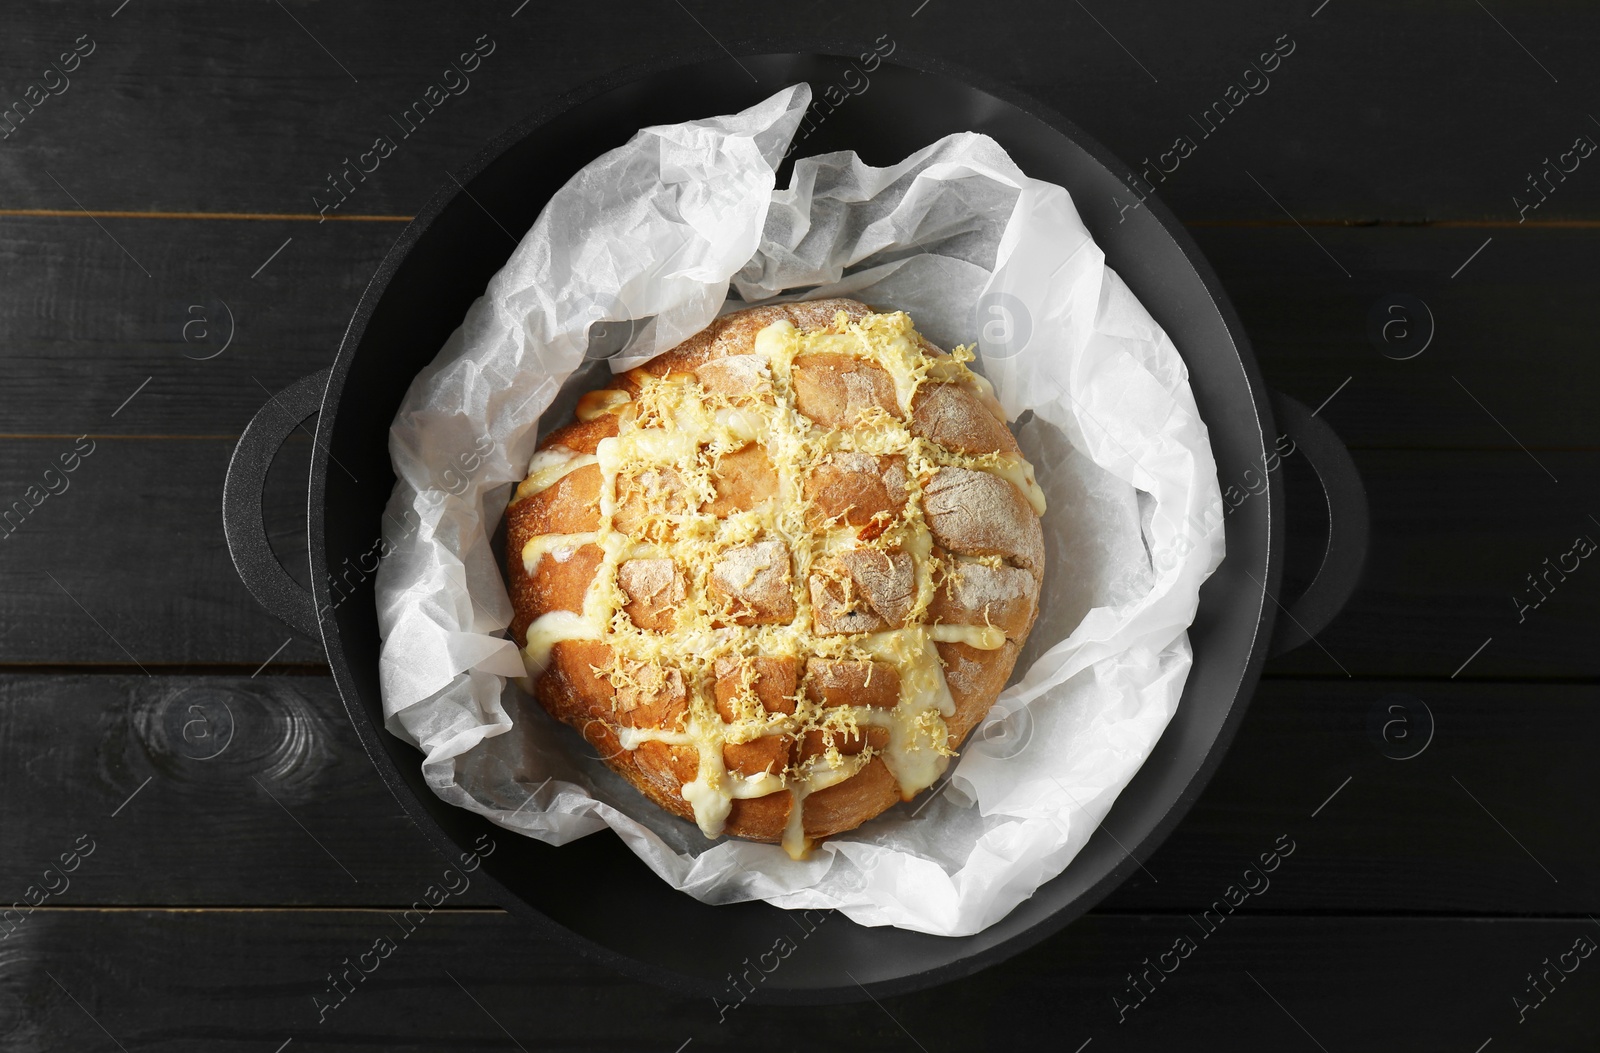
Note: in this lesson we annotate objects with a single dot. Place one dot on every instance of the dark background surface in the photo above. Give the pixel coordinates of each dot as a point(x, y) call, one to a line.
point(242, 845)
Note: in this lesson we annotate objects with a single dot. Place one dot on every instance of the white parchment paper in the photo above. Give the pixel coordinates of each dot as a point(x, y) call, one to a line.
point(651, 240)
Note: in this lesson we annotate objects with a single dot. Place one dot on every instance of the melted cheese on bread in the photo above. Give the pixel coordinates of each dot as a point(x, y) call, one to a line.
point(673, 434)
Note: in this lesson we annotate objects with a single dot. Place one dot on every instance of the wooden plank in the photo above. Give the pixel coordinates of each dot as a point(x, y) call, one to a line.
point(1429, 106)
point(161, 773)
point(1458, 549)
point(1433, 115)
point(1416, 796)
point(1417, 835)
point(260, 980)
point(127, 563)
point(84, 329)
point(1455, 536)
point(1370, 117)
point(201, 342)
point(1506, 343)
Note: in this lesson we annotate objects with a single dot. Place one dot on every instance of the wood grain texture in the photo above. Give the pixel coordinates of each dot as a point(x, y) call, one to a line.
point(254, 980)
point(128, 564)
point(83, 328)
point(1513, 329)
point(1377, 113)
point(1388, 817)
point(201, 341)
point(1455, 536)
point(1456, 533)
point(1392, 145)
point(269, 768)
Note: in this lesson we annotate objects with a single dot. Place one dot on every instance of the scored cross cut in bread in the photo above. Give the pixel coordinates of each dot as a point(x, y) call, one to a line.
point(843, 391)
point(973, 592)
point(655, 591)
point(737, 378)
point(856, 488)
point(848, 682)
point(667, 766)
point(649, 695)
point(955, 416)
point(649, 500)
point(754, 694)
point(742, 480)
point(749, 686)
point(777, 574)
point(837, 687)
point(753, 584)
point(862, 590)
point(974, 513)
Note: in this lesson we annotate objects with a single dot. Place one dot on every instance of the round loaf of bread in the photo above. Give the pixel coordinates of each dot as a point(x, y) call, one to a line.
point(777, 574)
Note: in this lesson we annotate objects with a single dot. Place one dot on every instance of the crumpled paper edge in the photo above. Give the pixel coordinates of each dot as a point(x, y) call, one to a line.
point(1047, 831)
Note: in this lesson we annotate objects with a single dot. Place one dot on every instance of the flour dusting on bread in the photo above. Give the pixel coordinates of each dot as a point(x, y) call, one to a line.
point(811, 551)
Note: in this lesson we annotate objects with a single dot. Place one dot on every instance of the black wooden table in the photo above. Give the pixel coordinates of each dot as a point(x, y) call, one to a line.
point(197, 832)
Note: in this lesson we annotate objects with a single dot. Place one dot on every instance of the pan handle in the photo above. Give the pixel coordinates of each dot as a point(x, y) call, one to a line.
point(244, 521)
point(1349, 527)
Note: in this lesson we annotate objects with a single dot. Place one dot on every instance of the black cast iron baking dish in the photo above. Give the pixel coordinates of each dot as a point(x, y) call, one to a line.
point(594, 894)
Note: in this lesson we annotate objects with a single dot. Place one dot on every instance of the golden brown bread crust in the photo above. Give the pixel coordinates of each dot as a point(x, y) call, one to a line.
point(987, 548)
